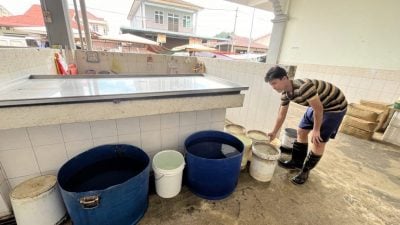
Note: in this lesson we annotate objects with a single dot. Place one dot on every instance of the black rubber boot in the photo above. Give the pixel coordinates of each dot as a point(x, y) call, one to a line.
point(286, 150)
point(309, 164)
point(298, 155)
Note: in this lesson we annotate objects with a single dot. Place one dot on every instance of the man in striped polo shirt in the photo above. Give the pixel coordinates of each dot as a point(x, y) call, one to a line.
point(326, 108)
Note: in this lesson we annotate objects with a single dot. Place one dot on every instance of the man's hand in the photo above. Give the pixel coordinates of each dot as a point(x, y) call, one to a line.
point(316, 137)
point(272, 136)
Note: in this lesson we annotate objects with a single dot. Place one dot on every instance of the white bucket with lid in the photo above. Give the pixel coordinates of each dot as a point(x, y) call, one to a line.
point(289, 137)
point(38, 200)
point(264, 161)
point(168, 168)
point(259, 136)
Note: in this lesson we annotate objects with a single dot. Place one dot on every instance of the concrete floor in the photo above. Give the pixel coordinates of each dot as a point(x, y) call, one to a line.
point(356, 182)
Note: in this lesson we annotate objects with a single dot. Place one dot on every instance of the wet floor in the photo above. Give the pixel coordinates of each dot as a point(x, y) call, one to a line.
point(356, 182)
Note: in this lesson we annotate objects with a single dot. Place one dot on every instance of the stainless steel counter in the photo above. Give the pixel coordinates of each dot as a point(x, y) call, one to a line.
point(46, 89)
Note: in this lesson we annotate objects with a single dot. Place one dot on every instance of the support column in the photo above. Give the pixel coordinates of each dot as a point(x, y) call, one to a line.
point(195, 22)
point(278, 31)
point(56, 18)
point(88, 38)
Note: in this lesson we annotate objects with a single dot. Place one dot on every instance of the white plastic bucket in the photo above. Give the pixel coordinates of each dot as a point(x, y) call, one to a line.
point(235, 129)
point(289, 137)
point(247, 150)
point(265, 158)
point(168, 168)
point(38, 200)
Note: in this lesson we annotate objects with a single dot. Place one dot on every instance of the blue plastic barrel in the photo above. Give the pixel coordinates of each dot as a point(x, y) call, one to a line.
point(106, 185)
point(213, 161)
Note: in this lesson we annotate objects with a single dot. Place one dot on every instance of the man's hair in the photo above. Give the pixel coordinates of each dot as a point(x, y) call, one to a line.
point(275, 72)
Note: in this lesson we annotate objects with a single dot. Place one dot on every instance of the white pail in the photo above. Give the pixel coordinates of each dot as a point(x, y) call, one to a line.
point(168, 168)
point(289, 137)
point(38, 200)
point(247, 150)
point(265, 158)
point(235, 129)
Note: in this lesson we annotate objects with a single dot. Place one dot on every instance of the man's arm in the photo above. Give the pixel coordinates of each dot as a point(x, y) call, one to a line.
point(316, 104)
point(279, 121)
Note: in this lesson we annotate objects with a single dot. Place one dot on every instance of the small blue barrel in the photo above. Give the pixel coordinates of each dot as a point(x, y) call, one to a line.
point(106, 185)
point(213, 161)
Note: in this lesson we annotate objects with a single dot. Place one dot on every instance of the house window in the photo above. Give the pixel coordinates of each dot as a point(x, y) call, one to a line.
point(95, 27)
point(173, 22)
point(159, 17)
point(186, 22)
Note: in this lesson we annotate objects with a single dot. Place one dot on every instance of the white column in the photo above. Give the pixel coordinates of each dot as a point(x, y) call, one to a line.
point(195, 23)
point(56, 19)
point(278, 31)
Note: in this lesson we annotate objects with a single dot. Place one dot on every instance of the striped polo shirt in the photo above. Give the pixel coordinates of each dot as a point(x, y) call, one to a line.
point(332, 97)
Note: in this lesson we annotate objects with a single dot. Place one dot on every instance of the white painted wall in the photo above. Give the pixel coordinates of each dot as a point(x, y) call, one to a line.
point(354, 33)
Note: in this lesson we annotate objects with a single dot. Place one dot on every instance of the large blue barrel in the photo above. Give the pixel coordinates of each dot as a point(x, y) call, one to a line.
point(213, 161)
point(106, 185)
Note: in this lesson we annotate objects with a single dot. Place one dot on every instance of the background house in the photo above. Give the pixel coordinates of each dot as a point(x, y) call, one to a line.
point(164, 15)
point(264, 40)
point(4, 11)
point(169, 22)
point(31, 24)
point(240, 45)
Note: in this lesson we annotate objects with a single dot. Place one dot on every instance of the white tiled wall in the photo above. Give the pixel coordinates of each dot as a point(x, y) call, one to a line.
point(34, 151)
point(19, 63)
point(261, 104)
point(357, 83)
point(129, 63)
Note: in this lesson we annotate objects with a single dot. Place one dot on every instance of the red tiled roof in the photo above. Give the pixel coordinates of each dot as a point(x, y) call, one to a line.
point(33, 17)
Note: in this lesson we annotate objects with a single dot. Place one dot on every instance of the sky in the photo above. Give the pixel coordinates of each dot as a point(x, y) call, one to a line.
point(217, 15)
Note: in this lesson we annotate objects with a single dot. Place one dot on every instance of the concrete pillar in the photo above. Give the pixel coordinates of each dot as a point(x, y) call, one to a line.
point(278, 31)
point(56, 17)
point(195, 22)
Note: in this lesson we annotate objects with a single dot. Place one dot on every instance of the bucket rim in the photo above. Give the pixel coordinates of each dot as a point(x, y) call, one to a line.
point(264, 155)
point(249, 132)
point(139, 150)
point(171, 171)
point(208, 132)
point(291, 132)
point(241, 130)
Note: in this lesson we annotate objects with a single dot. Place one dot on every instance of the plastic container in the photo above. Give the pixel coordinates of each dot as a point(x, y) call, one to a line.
point(256, 136)
point(106, 185)
point(247, 150)
point(235, 129)
point(289, 137)
point(265, 158)
point(213, 160)
point(168, 168)
point(38, 200)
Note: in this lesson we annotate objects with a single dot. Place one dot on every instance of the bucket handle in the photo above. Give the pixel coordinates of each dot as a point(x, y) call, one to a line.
point(90, 202)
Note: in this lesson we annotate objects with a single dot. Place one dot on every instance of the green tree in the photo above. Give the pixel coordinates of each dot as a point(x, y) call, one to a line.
point(223, 35)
